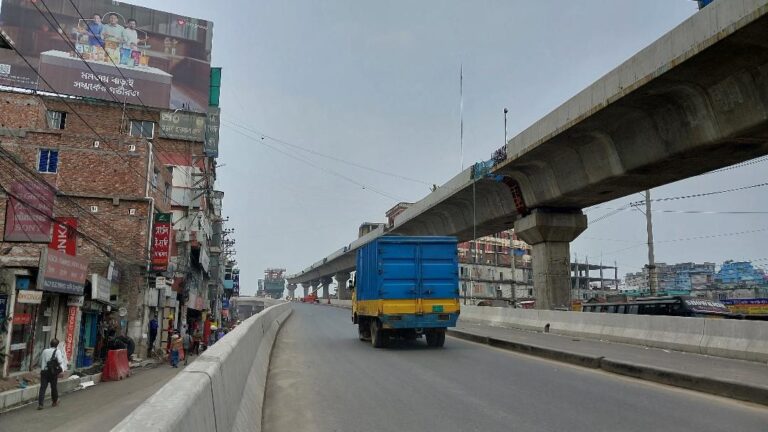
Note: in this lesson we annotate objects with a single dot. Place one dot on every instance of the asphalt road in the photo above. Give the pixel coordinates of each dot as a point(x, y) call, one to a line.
point(322, 378)
point(95, 409)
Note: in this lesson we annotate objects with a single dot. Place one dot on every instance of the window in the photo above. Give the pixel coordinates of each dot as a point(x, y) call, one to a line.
point(167, 196)
point(47, 161)
point(155, 174)
point(56, 119)
point(142, 128)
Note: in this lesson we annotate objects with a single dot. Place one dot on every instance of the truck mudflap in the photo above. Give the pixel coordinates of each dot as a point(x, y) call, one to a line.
point(415, 321)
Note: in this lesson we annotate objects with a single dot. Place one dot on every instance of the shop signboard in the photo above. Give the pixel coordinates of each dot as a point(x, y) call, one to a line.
point(748, 306)
point(29, 297)
point(22, 318)
point(61, 273)
point(29, 211)
point(69, 342)
point(211, 145)
point(182, 125)
point(101, 288)
point(109, 50)
point(76, 301)
point(161, 241)
point(64, 237)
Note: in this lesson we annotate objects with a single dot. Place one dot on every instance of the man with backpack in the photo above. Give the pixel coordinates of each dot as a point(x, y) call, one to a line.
point(52, 364)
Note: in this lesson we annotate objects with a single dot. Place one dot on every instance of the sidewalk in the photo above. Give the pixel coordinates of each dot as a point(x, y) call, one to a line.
point(98, 408)
point(735, 379)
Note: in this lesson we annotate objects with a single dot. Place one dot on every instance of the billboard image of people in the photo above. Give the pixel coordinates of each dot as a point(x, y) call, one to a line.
point(108, 50)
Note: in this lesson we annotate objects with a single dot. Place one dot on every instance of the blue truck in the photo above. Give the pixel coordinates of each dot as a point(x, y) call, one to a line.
point(406, 287)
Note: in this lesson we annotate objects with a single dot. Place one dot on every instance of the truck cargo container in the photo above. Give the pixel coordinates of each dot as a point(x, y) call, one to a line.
point(406, 287)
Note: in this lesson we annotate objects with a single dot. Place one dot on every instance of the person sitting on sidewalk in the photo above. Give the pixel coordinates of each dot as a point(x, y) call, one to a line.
point(52, 364)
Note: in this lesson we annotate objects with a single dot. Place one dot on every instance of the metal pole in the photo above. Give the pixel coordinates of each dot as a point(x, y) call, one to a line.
point(652, 281)
point(513, 279)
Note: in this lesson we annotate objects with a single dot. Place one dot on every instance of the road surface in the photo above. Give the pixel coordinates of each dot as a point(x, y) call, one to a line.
point(322, 378)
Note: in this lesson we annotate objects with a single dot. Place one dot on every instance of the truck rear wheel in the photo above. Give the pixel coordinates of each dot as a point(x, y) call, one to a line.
point(378, 338)
point(436, 338)
point(363, 330)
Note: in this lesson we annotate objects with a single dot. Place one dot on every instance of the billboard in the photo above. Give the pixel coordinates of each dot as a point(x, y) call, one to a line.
point(28, 218)
point(109, 50)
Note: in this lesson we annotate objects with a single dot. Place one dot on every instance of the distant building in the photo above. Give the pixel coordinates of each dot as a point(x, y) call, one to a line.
point(739, 273)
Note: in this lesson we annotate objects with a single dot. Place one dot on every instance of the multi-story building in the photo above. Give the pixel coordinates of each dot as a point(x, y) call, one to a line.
point(740, 273)
point(109, 172)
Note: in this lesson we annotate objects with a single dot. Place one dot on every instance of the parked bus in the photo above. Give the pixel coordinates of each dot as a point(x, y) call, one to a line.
point(669, 306)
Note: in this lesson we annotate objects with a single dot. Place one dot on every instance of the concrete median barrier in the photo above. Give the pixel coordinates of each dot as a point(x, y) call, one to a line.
point(222, 390)
point(744, 340)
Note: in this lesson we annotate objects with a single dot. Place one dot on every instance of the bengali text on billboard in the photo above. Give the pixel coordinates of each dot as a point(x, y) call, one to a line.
point(62, 273)
point(108, 50)
point(161, 241)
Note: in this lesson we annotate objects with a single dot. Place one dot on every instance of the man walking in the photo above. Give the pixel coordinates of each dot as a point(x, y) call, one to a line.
point(152, 334)
point(52, 364)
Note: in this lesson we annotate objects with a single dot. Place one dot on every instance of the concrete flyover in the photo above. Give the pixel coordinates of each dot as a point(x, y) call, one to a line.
point(693, 101)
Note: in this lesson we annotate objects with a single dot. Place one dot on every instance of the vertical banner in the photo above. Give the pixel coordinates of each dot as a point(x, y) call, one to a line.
point(28, 215)
point(71, 318)
point(211, 144)
point(161, 241)
point(64, 236)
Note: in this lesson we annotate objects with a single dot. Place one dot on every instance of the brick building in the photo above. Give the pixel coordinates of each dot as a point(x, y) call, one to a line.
point(112, 171)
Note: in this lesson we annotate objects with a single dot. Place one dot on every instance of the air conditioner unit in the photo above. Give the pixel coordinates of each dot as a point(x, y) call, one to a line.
point(96, 144)
point(132, 148)
point(94, 209)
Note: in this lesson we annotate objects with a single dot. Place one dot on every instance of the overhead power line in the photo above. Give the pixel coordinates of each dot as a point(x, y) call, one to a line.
point(699, 195)
point(324, 169)
point(327, 156)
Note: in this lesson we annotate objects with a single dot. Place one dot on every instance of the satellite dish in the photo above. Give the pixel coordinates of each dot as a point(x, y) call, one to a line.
point(122, 311)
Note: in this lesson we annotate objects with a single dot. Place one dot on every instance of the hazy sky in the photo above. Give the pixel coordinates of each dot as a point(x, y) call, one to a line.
point(376, 84)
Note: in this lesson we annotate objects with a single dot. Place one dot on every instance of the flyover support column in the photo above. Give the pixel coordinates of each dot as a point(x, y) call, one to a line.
point(325, 283)
point(292, 290)
point(304, 286)
point(313, 286)
point(341, 288)
point(550, 232)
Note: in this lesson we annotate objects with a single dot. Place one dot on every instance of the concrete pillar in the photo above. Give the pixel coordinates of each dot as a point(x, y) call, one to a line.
point(313, 286)
point(550, 233)
point(325, 283)
point(304, 287)
point(341, 281)
point(292, 290)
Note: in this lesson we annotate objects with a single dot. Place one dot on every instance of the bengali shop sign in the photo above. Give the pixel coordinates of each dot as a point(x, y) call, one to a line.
point(62, 273)
point(749, 306)
point(70, 340)
point(161, 241)
point(29, 212)
point(64, 236)
point(29, 297)
point(109, 50)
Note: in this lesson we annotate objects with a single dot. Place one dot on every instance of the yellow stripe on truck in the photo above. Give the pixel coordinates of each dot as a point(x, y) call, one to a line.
point(406, 306)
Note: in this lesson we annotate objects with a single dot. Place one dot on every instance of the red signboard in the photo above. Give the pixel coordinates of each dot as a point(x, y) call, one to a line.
point(64, 236)
point(22, 318)
point(70, 341)
point(62, 273)
point(29, 211)
point(161, 241)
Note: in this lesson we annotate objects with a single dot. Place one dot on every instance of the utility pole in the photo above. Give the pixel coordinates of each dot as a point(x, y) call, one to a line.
point(652, 281)
point(512, 266)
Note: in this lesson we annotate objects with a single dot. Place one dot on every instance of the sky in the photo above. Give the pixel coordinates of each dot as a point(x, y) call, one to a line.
point(376, 84)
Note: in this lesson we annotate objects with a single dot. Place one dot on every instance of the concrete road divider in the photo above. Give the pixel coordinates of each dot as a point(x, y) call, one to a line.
point(222, 390)
point(744, 340)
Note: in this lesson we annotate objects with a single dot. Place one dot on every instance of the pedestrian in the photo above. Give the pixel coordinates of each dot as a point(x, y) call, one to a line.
point(153, 326)
point(52, 364)
point(176, 346)
point(186, 341)
point(196, 342)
